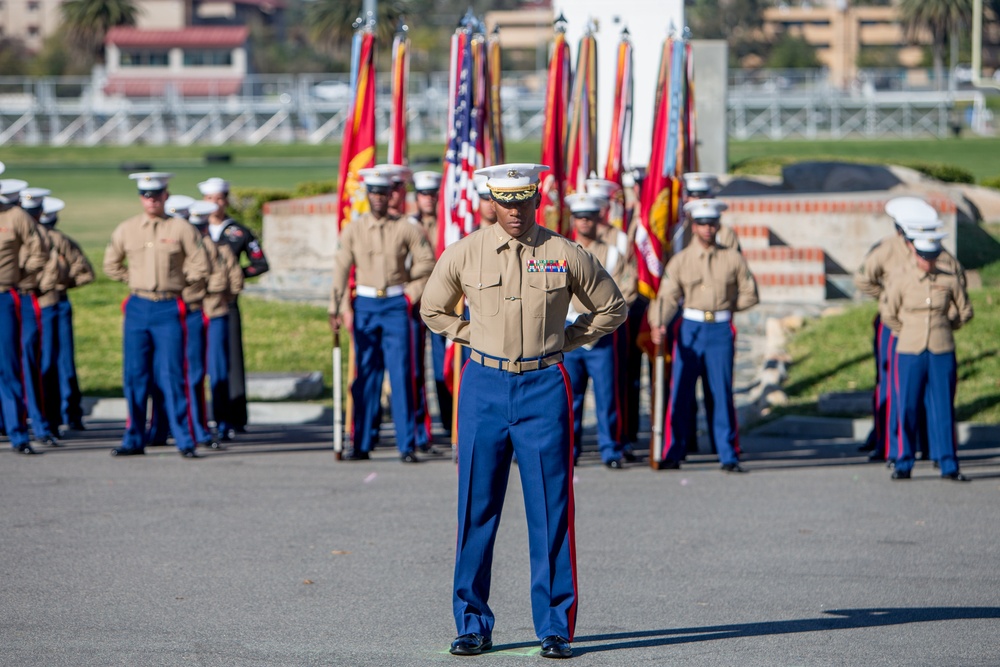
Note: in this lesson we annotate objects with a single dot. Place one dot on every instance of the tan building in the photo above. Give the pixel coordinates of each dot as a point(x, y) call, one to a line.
point(29, 20)
point(839, 32)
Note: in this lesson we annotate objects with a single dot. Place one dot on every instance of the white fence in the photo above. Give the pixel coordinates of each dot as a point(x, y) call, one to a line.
point(312, 108)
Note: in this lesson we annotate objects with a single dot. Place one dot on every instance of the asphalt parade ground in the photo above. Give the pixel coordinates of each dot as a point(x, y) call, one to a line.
point(273, 554)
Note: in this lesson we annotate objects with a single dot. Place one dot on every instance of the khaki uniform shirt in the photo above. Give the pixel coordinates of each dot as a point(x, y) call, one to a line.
point(225, 281)
point(157, 255)
point(890, 255)
point(79, 271)
point(55, 271)
point(32, 282)
point(918, 309)
point(622, 271)
point(386, 252)
point(552, 270)
point(428, 223)
point(705, 279)
point(22, 249)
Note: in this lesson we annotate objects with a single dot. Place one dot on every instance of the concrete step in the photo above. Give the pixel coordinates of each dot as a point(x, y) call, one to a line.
point(753, 237)
point(785, 274)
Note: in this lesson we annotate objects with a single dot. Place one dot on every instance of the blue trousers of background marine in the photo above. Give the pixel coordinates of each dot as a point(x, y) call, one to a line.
point(154, 353)
point(382, 341)
point(600, 363)
point(31, 365)
point(218, 372)
point(50, 366)
point(11, 383)
point(70, 399)
point(421, 412)
point(194, 336)
point(927, 385)
point(705, 350)
point(528, 415)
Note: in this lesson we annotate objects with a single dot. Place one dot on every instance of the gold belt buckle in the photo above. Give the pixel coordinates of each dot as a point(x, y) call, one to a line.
point(514, 367)
point(380, 293)
point(709, 316)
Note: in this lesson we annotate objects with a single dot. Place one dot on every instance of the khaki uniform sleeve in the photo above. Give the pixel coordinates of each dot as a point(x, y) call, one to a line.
point(234, 270)
point(423, 263)
point(196, 263)
point(343, 260)
point(669, 296)
point(81, 271)
point(962, 312)
point(891, 303)
point(627, 278)
point(747, 287)
point(114, 257)
point(441, 296)
point(35, 250)
point(597, 291)
point(870, 274)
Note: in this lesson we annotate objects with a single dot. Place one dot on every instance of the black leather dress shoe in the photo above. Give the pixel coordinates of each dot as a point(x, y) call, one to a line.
point(409, 457)
point(877, 456)
point(556, 647)
point(76, 425)
point(49, 441)
point(732, 467)
point(900, 474)
point(670, 465)
point(26, 449)
point(212, 444)
point(629, 455)
point(190, 454)
point(471, 644)
point(615, 464)
point(956, 477)
point(127, 451)
point(357, 455)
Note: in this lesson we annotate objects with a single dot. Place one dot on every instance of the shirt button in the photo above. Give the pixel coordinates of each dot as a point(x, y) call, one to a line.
point(149, 244)
point(928, 299)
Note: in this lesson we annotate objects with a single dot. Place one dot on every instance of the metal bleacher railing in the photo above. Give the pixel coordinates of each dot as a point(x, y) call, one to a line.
point(772, 104)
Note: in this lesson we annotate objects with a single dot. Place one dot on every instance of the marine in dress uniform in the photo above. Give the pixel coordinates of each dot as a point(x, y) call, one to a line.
point(62, 391)
point(910, 215)
point(612, 199)
point(923, 306)
point(242, 242)
point(23, 252)
point(33, 288)
point(487, 216)
point(602, 360)
point(427, 185)
point(515, 398)
point(392, 260)
point(699, 185)
point(158, 258)
point(399, 176)
point(202, 303)
point(712, 283)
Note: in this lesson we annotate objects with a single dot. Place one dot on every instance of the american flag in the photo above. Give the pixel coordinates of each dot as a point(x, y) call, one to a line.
point(459, 199)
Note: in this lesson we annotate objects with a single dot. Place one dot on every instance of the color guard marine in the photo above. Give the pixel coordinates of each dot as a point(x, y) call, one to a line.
point(518, 279)
point(706, 283)
point(392, 260)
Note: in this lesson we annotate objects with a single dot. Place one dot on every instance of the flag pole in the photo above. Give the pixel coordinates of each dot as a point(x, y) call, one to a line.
point(338, 416)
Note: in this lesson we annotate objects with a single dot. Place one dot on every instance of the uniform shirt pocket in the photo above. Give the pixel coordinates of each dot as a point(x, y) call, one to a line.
point(483, 291)
point(547, 294)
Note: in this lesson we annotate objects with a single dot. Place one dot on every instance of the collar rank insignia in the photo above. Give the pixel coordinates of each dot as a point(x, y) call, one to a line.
point(547, 266)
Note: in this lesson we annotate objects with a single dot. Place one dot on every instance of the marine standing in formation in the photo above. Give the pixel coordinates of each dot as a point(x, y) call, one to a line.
point(157, 257)
point(515, 397)
point(392, 260)
point(242, 241)
point(23, 253)
point(710, 283)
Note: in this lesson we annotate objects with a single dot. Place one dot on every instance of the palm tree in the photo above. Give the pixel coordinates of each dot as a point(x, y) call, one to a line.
point(88, 21)
point(942, 19)
point(331, 22)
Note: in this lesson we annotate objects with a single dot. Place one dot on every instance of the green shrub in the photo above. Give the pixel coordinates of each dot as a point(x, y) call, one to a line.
point(246, 205)
point(947, 173)
point(992, 182)
point(313, 188)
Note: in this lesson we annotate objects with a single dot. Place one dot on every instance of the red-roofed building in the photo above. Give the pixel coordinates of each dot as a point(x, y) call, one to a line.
point(196, 61)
